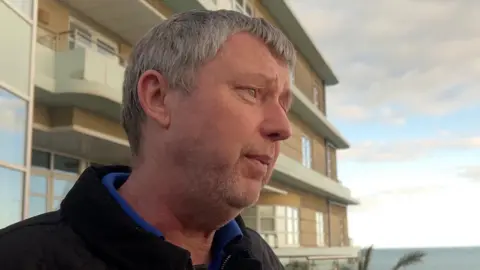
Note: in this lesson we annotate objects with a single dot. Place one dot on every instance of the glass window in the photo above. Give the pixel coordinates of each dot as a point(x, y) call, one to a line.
point(11, 196)
point(270, 238)
point(278, 225)
point(104, 48)
point(306, 152)
point(41, 159)
point(266, 211)
point(37, 205)
point(250, 222)
point(320, 229)
point(315, 96)
point(66, 164)
point(24, 6)
point(267, 224)
point(250, 212)
point(15, 48)
point(56, 204)
point(79, 37)
point(62, 187)
point(38, 184)
point(328, 159)
point(280, 211)
point(13, 128)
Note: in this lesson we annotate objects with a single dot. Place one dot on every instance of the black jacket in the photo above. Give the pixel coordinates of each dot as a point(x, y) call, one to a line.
point(91, 232)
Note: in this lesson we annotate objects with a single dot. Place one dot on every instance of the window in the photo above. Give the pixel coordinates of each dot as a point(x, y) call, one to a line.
point(104, 48)
point(81, 35)
point(41, 159)
point(53, 175)
point(11, 196)
point(243, 6)
point(24, 6)
point(315, 96)
point(66, 164)
point(328, 158)
point(306, 152)
point(342, 232)
point(38, 203)
point(278, 225)
point(13, 128)
point(320, 229)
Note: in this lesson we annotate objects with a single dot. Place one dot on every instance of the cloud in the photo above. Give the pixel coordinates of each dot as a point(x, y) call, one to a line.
point(13, 114)
point(406, 57)
point(470, 172)
point(406, 150)
point(379, 198)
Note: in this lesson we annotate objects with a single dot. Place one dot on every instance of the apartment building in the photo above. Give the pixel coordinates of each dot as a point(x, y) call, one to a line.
point(60, 92)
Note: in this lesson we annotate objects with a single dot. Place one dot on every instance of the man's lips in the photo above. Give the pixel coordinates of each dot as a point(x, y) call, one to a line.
point(263, 159)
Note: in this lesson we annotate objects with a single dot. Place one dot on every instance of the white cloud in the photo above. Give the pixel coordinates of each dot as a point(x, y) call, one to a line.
point(470, 172)
point(407, 150)
point(404, 56)
point(417, 217)
point(13, 114)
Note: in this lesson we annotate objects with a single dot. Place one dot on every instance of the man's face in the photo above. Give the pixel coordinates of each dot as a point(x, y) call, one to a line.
point(226, 134)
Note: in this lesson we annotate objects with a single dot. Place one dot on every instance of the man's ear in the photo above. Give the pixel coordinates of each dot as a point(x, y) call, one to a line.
point(152, 88)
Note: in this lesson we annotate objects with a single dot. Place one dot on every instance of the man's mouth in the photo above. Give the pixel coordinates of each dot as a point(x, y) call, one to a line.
point(263, 159)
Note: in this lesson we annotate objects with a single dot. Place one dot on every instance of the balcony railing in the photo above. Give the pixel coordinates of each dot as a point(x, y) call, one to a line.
point(69, 40)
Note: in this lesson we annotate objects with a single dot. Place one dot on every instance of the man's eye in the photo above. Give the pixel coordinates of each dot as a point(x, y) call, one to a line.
point(252, 92)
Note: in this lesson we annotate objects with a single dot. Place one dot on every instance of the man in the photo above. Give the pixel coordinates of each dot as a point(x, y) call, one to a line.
point(205, 101)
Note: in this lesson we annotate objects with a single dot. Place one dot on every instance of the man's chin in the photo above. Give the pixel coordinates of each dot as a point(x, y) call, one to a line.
point(244, 200)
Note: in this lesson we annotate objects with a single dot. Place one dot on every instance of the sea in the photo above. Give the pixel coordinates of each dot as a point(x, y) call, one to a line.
point(457, 258)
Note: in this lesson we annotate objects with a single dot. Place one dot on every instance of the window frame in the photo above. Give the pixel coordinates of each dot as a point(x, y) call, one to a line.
point(328, 158)
point(291, 237)
point(108, 47)
point(320, 228)
point(307, 152)
point(21, 8)
point(51, 174)
point(315, 96)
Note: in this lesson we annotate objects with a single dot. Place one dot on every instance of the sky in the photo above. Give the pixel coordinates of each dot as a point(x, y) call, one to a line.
point(409, 90)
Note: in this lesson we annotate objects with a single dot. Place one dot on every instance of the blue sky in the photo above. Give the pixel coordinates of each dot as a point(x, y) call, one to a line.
point(408, 100)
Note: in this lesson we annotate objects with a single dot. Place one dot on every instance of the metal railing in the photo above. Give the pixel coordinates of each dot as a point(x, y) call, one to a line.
point(68, 40)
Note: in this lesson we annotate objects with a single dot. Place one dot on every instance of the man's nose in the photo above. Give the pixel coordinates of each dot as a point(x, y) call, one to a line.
point(276, 126)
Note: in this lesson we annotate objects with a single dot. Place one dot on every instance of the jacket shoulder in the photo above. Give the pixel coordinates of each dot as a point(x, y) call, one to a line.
point(41, 242)
point(262, 250)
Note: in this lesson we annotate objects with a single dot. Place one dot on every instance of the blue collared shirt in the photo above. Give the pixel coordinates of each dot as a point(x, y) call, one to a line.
point(222, 237)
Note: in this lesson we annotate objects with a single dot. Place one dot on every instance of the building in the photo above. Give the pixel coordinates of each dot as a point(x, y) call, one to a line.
point(60, 91)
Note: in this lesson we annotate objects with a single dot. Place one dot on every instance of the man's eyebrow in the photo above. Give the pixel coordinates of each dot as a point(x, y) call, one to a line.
point(257, 76)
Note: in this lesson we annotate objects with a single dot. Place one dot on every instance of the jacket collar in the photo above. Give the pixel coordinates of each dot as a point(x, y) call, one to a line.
point(112, 235)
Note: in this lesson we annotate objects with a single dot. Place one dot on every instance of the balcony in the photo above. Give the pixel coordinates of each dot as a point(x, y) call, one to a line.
point(316, 120)
point(184, 5)
point(73, 70)
point(290, 172)
point(130, 19)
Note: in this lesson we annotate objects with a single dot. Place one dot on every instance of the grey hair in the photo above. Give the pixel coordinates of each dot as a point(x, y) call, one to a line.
point(180, 45)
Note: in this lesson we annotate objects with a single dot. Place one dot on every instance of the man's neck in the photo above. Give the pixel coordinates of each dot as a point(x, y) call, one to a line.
point(154, 208)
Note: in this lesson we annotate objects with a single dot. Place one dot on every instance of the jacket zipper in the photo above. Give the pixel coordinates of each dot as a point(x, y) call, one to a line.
point(225, 262)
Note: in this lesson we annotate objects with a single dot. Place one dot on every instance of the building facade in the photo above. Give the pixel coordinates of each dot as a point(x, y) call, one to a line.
point(60, 93)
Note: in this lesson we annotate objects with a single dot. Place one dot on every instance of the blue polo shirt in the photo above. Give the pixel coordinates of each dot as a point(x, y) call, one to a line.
point(221, 238)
